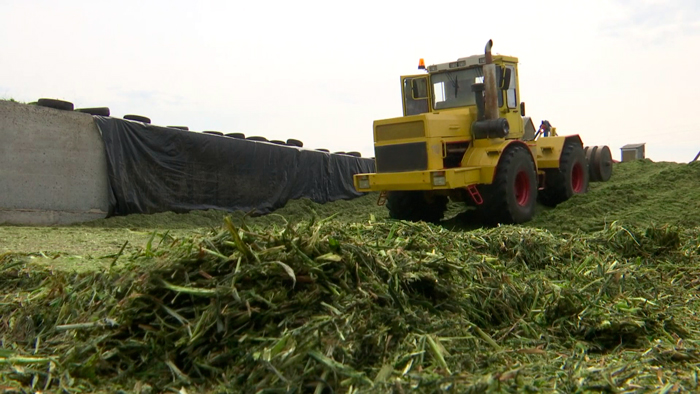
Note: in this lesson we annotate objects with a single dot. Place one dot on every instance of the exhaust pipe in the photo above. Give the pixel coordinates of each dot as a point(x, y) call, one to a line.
point(490, 84)
point(488, 124)
point(487, 52)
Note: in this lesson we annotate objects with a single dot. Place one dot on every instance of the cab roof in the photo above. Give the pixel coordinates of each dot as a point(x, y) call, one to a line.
point(466, 62)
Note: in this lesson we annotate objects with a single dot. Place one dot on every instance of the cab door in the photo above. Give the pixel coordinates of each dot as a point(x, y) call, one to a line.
point(415, 92)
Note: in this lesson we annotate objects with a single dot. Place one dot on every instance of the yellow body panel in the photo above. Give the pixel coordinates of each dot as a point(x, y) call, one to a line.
point(548, 150)
point(420, 180)
point(478, 166)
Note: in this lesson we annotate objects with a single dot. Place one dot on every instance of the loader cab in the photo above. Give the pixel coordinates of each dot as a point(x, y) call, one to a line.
point(448, 87)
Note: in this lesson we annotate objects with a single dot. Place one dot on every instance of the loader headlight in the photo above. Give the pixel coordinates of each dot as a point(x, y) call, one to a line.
point(439, 178)
point(363, 182)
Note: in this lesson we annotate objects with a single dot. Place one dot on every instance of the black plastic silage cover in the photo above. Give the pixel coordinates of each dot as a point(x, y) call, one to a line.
point(156, 169)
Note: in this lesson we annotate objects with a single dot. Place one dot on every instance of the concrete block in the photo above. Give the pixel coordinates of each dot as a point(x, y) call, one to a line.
point(53, 167)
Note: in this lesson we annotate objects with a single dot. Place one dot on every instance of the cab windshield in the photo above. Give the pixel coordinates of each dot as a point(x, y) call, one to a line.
point(454, 88)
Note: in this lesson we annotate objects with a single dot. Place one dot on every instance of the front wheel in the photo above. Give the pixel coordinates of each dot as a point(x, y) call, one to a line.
point(511, 198)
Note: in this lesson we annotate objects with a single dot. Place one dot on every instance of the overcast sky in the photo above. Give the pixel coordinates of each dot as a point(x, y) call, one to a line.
point(613, 71)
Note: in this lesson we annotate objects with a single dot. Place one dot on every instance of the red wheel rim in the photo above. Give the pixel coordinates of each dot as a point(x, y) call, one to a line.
point(577, 178)
point(522, 188)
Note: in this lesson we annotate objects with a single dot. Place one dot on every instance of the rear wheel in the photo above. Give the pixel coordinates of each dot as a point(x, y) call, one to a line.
point(416, 206)
point(571, 177)
point(512, 196)
point(601, 164)
point(590, 153)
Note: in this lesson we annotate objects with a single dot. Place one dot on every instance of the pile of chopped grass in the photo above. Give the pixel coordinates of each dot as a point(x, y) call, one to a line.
point(357, 209)
point(640, 193)
point(363, 307)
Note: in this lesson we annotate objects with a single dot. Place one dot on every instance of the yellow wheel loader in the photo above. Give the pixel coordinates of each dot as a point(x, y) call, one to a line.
point(464, 137)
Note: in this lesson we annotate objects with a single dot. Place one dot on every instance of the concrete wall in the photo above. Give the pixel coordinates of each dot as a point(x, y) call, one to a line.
point(53, 168)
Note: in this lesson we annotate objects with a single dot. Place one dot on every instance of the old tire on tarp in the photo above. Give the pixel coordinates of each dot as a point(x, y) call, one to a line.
point(570, 178)
point(416, 206)
point(55, 104)
point(100, 111)
point(239, 136)
point(213, 133)
point(354, 154)
point(257, 138)
point(278, 142)
point(185, 128)
point(138, 118)
point(323, 150)
point(293, 142)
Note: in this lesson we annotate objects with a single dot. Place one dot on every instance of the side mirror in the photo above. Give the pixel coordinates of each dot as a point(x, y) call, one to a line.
point(522, 109)
point(505, 79)
point(419, 88)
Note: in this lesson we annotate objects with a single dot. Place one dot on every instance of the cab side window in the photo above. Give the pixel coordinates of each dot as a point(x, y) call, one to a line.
point(511, 94)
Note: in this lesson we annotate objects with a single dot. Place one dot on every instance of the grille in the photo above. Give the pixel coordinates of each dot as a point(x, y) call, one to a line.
point(401, 157)
point(399, 131)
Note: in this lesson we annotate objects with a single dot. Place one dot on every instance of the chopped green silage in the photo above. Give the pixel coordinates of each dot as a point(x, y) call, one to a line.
point(639, 193)
point(364, 307)
point(599, 294)
point(295, 210)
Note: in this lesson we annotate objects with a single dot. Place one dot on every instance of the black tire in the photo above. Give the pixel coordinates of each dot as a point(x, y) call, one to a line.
point(55, 104)
point(590, 156)
point(512, 197)
point(179, 127)
point(293, 142)
point(571, 177)
point(257, 138)
point(602, 164)
point(239, 136)
point(100, 111)
point(213, 133)
point(138, 118)
point(354, 154)
point(278, 142)
point(339, 153)
point(416, 206)
point(323, 150)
